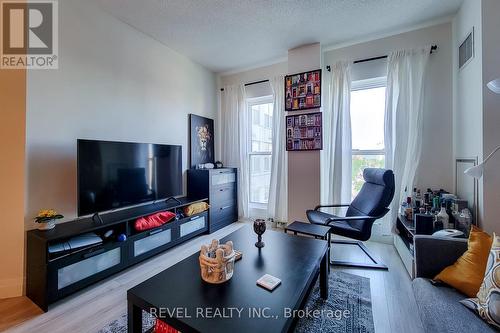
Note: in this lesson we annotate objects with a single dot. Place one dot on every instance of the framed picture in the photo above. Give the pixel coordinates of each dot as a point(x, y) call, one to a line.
point(303, 91)
point(201, 140)
point(304, 132)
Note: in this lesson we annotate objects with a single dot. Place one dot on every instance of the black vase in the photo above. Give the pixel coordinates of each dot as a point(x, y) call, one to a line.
point(259, 226)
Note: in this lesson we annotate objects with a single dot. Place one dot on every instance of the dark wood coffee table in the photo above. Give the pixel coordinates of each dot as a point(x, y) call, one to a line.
point(182, 300)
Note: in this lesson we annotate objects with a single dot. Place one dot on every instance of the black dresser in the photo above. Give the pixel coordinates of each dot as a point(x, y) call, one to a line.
point(220, 187)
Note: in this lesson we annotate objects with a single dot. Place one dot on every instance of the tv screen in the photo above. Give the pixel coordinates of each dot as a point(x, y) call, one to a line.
point(112, 175)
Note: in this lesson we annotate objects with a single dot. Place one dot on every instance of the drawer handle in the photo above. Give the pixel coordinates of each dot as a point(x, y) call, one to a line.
point(155, 232)
point(93, 253)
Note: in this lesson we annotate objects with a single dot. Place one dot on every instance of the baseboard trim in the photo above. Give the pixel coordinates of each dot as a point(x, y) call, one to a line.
point(11, 288)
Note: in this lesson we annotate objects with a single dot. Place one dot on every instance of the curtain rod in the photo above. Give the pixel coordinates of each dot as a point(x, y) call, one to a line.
point(328, 68)
point(251, 83)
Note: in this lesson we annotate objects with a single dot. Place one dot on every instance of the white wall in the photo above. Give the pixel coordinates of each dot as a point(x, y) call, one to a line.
point(467, 90)
point(490, 35)
point(255, 74)
point(113, 83)
point(468, 120)
point(436, 166)
point(476, 108)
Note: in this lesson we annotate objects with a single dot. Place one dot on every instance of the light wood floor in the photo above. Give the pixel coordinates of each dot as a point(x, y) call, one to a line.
point(393, 305)
point(394, 308)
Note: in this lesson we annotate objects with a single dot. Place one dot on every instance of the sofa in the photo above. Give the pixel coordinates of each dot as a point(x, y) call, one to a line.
point(438, 305)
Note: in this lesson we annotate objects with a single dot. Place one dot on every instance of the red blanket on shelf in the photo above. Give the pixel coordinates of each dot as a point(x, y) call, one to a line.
point(161, 327)
point(153, 221)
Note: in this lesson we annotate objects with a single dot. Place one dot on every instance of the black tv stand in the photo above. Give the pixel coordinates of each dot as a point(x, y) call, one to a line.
point(172, 198)
point(97, 219)
point(51, 276)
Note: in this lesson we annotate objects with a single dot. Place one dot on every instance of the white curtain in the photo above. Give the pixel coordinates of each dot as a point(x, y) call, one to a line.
point(403, 119)
point(278, 189)
point(235, 131)
point(336, 159)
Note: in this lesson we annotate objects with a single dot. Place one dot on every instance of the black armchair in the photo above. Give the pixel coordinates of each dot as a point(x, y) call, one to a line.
point(369, 205)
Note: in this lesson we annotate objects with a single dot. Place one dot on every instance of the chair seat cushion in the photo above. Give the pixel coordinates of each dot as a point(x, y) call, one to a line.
point(318, 217)
point(341, 228)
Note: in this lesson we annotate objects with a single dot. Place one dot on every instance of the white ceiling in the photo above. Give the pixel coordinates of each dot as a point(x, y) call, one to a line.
point(226, 35)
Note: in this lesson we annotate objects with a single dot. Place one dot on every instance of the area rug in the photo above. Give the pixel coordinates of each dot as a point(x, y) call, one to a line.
point(347, 310)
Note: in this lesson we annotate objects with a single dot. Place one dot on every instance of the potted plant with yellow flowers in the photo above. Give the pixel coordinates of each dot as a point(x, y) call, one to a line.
point(46, 219)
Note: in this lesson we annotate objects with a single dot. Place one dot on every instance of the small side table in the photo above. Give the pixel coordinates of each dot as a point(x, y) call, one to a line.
point(315, 230)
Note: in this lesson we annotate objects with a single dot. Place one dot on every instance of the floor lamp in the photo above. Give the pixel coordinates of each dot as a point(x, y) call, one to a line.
point(477, 171)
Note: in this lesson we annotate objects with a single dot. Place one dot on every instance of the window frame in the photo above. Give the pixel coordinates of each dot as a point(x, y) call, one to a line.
point(366, 84)
point(268, 99)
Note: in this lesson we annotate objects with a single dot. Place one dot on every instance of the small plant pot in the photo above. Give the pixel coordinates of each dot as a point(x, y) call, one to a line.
point(51, 224)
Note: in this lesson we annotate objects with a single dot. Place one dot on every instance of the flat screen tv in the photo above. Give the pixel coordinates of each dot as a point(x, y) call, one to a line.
point(113, 175)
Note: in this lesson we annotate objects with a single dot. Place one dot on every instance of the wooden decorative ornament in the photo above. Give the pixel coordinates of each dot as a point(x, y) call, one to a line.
point(217, 262)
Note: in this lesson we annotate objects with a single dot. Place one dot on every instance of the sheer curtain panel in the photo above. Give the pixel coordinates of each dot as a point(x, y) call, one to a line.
point(278, 190)
point(404, 119)
point(235, 133)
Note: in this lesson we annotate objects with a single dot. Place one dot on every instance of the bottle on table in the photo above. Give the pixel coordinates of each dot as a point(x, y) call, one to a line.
point(436, 203)
point(409, 209)
point(443, 217)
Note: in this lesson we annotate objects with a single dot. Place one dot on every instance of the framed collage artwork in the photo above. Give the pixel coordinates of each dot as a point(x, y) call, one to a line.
point(304, 132)
point(303, 91)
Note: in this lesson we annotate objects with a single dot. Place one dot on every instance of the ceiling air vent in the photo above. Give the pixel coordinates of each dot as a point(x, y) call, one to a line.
point(466, 50)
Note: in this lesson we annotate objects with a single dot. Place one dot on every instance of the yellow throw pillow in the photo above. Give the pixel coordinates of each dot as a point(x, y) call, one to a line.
point(467, 273)
point(196, 208)
point(486, 304)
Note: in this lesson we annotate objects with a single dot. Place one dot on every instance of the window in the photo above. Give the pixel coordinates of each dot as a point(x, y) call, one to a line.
point(261, 112)
point(367, 127)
